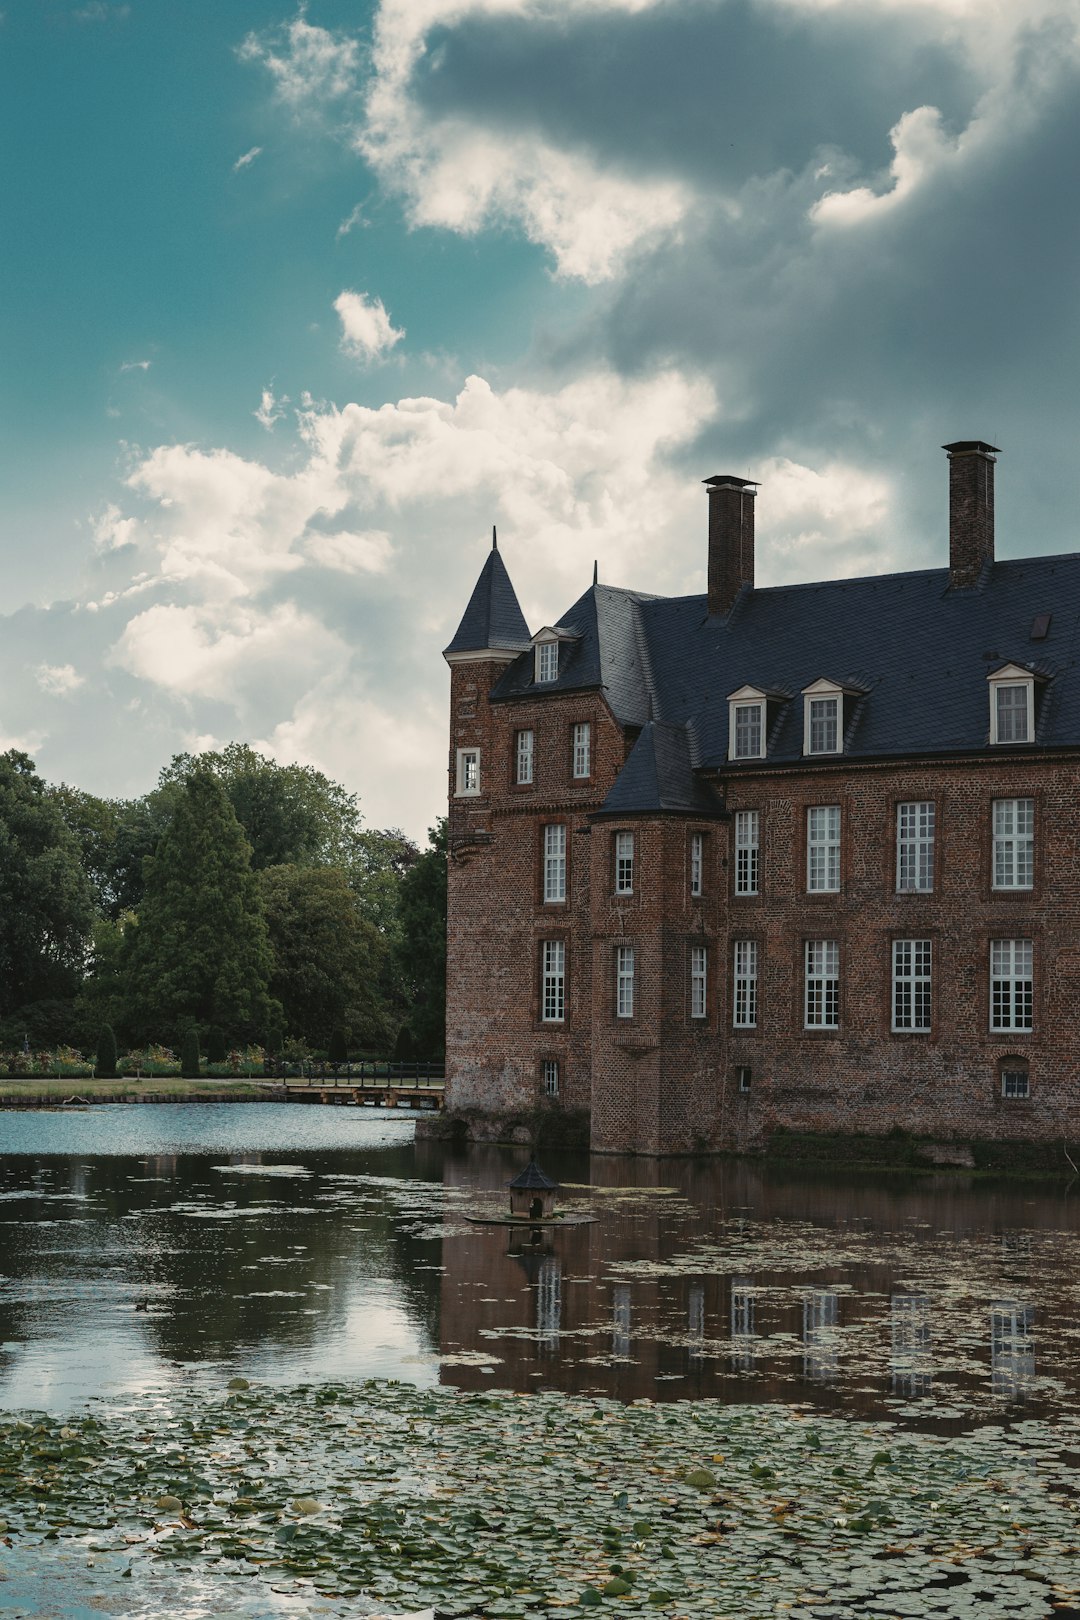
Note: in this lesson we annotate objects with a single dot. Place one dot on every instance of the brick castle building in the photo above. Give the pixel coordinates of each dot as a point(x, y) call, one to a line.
point(805, 857)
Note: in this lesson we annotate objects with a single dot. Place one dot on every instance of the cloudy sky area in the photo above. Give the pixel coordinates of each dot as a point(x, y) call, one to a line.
point(297, 303)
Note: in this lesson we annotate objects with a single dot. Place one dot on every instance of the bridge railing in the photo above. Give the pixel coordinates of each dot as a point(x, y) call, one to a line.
point(385, 1074)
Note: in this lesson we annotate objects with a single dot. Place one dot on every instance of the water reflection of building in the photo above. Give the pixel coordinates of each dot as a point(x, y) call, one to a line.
point(1012, 1348)
point(743, 1325)
point(821, 1309)
point(910, 1362)
point(620, 1319)
point(695, 1320)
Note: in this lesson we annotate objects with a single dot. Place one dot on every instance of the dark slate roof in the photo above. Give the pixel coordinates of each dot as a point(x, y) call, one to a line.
point(532, 1179)
point(913, 652)
point(659, 776)
point(917, 651)
point(493, 617)
point(610, 653)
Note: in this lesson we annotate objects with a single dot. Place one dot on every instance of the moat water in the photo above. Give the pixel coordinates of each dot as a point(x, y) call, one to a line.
point(154, 1248)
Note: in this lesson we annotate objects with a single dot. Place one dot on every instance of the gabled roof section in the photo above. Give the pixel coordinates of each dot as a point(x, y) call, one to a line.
point(609, 652)
point(493, 618)
point(658, 777)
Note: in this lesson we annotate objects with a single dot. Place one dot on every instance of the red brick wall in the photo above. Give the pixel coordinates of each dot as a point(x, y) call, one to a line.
point(663, 1082)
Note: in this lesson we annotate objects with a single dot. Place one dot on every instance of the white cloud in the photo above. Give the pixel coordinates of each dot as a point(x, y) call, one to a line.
point(247, 158)
point(462, 176)
point(367, 552)
point(822, 523)
point(58, 680)
point(224, 654)
point(351, 221)
point(309, 64)
point(920, 148)
point(271, 409)
point(367, 332)
point(135, 365)
point(112, 531)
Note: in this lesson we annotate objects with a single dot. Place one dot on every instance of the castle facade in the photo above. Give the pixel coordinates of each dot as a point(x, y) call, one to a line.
point(804, 857)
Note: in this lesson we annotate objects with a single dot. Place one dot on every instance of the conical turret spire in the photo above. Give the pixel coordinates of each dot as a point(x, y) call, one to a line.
point(493, 619)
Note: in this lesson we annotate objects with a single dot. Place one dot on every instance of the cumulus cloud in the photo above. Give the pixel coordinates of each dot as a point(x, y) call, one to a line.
point(306, 607)
point(367, 333)
point(58, 680)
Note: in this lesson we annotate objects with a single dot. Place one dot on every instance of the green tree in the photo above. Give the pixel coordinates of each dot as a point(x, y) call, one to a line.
point(422, 950)
point(94, 823)
point(189, 1055)
point(291, 814)
point(328, 959)
point(200, 953)
point(216, 1050)
point(105, 1067)
point(46, 903)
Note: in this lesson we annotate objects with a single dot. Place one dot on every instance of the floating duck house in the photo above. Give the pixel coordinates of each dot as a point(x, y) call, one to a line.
point(532, 1194)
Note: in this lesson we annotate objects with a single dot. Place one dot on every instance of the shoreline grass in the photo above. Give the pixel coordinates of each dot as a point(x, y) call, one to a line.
point(52, 1090)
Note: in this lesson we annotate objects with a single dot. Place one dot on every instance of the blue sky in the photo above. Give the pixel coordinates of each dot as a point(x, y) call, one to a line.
point(297, 302)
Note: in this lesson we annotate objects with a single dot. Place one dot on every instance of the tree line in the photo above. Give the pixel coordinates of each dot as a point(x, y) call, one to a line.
point(241, 900)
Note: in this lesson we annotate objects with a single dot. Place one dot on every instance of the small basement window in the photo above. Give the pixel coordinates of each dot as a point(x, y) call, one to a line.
point(1015, 1083)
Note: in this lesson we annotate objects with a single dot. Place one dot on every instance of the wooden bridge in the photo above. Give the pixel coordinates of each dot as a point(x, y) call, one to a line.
point(412, 1086)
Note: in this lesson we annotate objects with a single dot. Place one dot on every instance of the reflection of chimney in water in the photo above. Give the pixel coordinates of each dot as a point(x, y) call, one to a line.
point(620, 1320)
point(549, 1304)
point(695, 1320)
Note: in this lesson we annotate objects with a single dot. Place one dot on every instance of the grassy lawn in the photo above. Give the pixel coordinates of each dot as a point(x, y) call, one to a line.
point(58, 1090)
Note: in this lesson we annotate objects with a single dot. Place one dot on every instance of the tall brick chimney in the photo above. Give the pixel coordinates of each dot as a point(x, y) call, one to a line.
point(731, 538)
point(971, 509)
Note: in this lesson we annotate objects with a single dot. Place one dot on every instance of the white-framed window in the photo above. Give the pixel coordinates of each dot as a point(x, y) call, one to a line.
point(915, 847)
point(697, 864)
point(1012, 705)
point(553, 999)
point(744, 1002)
point(581, 750)
point(1012, 989)
point(523, 753)
point(822, 1003)
point(1014, 843)
point(624, 863)
point(823, 718)
point(547, 661)
point(699, 964)
point(624, 981)
point(744, 1076)
point(823, 849)
point(747, 851)
point(912, 962)
point(1015, 1082)
point(748, 720)
point(554, 862)
point(551, 1077)
point(468, 772)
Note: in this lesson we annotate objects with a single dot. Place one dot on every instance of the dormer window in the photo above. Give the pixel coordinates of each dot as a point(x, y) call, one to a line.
point(1012, 705)
point(547, 661)
point(823, 718)
point(747, 723)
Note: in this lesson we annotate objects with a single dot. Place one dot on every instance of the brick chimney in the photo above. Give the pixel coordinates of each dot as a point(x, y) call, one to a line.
point(971, 509)
point(731, 538)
